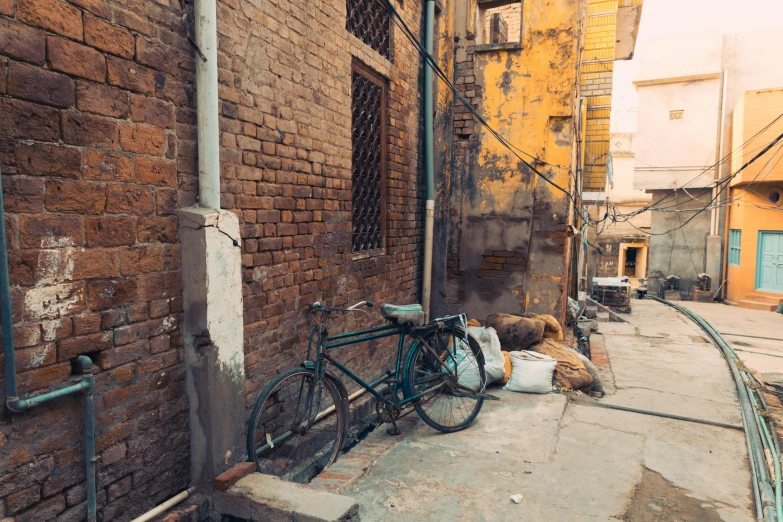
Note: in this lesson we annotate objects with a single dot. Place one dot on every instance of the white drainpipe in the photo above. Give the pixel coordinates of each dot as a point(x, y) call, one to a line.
point(207, 104)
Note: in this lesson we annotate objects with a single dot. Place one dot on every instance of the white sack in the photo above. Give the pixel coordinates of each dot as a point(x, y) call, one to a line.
point(467, 369)
point(494, 363)
point(531, 372)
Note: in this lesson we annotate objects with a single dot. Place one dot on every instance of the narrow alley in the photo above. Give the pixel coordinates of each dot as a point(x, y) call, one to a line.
point(575, 462)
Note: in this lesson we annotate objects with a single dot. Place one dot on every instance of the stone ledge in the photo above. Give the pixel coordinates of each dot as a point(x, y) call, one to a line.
point(258, 497)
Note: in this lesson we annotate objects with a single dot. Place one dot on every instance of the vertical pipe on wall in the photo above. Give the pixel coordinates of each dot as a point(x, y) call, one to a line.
point(207, 104)
point(429, 157)
point(6, 317)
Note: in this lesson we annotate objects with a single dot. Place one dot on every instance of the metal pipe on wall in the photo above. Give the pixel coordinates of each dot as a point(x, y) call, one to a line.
point(429, 158)
point(207, 104)
point(84, 363)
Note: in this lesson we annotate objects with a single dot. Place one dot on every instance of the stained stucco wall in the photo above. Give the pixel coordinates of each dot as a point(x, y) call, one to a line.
point(507, 244)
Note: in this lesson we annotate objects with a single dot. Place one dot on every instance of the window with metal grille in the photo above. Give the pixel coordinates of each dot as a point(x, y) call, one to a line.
point(735, 238)
point(369, 21)
point(368, 166)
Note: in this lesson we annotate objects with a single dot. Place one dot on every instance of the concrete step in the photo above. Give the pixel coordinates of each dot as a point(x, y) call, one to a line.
point(258, 497)
point(757, 305)
point(764, 298)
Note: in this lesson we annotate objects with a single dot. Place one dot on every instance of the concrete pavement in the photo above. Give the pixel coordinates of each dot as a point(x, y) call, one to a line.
point(575, 462)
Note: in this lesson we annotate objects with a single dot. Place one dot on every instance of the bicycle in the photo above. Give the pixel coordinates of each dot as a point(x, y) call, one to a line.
point(300, 420)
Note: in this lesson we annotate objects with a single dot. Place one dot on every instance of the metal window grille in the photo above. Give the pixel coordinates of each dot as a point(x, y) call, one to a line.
point(368, 140)
point(735, 240)
point(369, 21)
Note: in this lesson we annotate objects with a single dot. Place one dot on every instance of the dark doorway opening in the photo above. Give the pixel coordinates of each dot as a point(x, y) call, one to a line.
point(630, 262)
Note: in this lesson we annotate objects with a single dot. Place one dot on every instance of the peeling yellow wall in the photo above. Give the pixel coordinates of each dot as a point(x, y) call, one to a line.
point(527, 92)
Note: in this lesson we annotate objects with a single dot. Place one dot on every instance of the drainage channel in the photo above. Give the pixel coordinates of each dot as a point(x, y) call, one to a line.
point(760, 434)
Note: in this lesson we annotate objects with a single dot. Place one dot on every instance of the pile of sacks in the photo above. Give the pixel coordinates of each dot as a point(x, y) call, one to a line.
point(525, 353)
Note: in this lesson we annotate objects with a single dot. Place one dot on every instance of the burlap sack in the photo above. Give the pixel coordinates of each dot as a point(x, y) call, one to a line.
point(570, 372)
point(516, 332)
point(507, 367)
point(552, 330)
point(474, 322)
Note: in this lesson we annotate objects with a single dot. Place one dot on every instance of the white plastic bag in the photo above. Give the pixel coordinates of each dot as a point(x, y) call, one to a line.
point(467, 370)
point(494, 363)
point(531, 372)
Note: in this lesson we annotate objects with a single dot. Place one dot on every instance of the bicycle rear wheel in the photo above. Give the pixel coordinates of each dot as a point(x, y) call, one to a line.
point(297, 426)
point(450, 378)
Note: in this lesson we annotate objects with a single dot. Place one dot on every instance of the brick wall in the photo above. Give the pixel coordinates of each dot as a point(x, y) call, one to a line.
point(96, 137)
point(285, 75)
point(98, 151)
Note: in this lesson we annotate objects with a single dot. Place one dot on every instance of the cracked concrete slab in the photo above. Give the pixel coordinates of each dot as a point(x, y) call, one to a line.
point(574, 462)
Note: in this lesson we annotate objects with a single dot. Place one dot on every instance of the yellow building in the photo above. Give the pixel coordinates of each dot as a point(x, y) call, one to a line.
point(610, 35)
point(754, 236)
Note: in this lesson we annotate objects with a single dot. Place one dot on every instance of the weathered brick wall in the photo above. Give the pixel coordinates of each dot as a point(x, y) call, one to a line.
point(96, 135)
point(285, 88)
point(98, 151)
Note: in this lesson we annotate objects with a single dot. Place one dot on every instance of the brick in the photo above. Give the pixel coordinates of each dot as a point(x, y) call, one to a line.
point(106, 166)
point(142, 139)
point(7, 7)
point(102, 99)
point(110, 231)
point(96, 7)
point(123, 354)
point(39, 85)
point(166, 201)
point(141, 260)
point(75, 59)
point(129, 199)
point(34, 380)
point(22, 194)
point(103, 295)
point(230, 477)
point(159, 285)
point(21, 119)
point(57, 329)
point(131, 76)
point(89, 131)
point(152, 111)
point(110, 38)
point(23, 499)
point(36, 357)
point(157, 229)
point(50, 231)
point(72, 347)
point(86, 324)
point(27, 335)
point(48, 160)
point(22, 42)
point(80, 197)
point(51, 15)
point(94, 264)
point(156, 56)
point(158, 172)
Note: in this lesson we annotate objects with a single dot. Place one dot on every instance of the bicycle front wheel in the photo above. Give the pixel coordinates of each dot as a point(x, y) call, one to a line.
point(297, 426)
point(448, 376)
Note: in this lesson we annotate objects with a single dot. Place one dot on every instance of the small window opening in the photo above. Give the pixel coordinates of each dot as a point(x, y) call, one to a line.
point(499, 21)
point(774, 196)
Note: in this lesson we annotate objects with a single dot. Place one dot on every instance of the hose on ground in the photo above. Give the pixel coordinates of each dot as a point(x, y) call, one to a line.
point(756, 432)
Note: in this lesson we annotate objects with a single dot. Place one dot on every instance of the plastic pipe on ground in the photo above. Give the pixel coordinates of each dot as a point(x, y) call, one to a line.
point(162, 508)
point(768, 495)
point(207, 104)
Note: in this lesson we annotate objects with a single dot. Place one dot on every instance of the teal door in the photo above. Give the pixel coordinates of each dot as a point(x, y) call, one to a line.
point(769, 271)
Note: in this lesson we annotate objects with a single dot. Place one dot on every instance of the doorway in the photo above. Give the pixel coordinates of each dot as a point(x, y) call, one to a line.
point(769, 262)
point(632, 261)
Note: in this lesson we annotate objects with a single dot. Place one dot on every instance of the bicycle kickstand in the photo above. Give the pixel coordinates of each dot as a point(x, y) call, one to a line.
point(393, 429)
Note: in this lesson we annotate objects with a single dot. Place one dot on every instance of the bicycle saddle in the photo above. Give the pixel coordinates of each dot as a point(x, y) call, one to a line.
point(412, 314)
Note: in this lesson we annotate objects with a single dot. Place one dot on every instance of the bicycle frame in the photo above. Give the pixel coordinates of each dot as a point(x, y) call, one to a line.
point(326, 343)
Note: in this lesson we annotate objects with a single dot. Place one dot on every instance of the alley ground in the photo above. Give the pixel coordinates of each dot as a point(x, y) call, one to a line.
point(577, 462)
